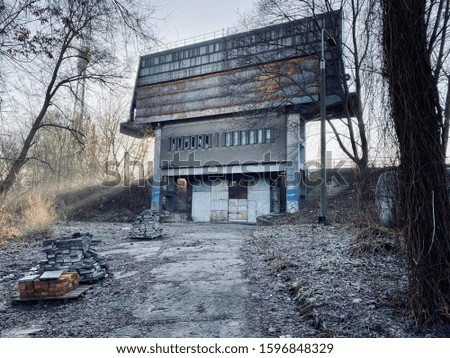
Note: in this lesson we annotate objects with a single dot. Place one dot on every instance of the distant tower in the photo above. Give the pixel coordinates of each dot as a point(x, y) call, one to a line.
point(79, 109)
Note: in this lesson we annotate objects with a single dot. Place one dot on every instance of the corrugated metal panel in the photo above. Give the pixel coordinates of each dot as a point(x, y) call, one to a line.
point(237, 210)
point(201, 206)
point(259, 194)
point(251, 212)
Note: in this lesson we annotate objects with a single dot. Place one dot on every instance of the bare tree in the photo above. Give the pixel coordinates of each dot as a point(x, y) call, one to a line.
point(437, 21)
point(46, 40)
point(410, 32)
point(360, 60)
point(123, 152)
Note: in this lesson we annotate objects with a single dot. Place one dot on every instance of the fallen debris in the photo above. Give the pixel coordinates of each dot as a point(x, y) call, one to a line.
point(146, 226)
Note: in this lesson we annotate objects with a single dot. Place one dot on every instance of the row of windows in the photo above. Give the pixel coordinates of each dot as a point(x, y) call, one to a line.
point(191, 62)
point(152, 66)
point(286, 34)
point(175, 75)
point(177, 70)
point(182, 55)
point(225, 139)
point(228, 53)
point(278, 35)
point(213, 52)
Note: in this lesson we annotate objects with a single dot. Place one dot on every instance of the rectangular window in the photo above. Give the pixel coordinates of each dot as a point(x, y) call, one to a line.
point(173, 144)
point(217, 144)
point(186, 143)
point(193, 142)
point(207, 141)
point(244, 138)
point(261, 136)
point(251, 137)
point(200, 141)
point(228, 139)
point(268, 135)
point(179, 143)
point(236, 138)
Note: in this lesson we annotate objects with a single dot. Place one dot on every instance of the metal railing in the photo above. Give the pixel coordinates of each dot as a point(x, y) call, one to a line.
point(196, 39)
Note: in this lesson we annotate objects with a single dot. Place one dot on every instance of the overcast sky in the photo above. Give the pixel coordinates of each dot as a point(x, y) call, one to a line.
point(189, 18)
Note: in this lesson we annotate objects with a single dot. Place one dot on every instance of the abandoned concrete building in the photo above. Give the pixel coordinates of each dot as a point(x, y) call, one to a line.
point(227, 119)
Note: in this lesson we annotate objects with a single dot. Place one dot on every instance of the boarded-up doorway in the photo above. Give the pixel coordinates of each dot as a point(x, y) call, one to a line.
point(237, 200)
point(219, 200)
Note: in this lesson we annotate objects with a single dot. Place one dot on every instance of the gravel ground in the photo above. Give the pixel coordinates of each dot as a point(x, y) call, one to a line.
point(304, 280)
point(331, 291)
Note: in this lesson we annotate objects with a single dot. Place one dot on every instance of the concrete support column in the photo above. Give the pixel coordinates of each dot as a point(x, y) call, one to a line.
point(295, 183)
point(155, 204)
point(171, 194)
point(301, 163)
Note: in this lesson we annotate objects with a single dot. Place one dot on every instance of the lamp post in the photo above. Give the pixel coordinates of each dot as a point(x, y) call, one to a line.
point(323, 144)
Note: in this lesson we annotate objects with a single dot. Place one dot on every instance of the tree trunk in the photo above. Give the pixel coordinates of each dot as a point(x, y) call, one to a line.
point(20, 161)
point(423, 197)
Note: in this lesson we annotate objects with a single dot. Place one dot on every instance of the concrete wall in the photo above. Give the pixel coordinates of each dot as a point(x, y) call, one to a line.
point(218, 153)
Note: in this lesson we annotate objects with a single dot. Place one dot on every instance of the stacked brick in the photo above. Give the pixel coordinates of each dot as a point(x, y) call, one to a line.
point(146, 226)
point(73, 254)
point(48, 288)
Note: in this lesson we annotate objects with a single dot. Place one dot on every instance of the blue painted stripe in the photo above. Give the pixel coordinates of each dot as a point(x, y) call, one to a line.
point(292, 194)
point(156, 194)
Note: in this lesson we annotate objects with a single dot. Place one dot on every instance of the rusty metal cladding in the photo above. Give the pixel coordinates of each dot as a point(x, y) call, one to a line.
point(248, 71)
point(228, 92)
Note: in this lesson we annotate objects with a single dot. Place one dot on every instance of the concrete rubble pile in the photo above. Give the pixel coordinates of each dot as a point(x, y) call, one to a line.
point(73, 254)
point(146, 226)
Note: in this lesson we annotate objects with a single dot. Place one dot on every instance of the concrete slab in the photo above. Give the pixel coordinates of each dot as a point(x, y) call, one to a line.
point(198, 270)
point(195, 301)
point(197, 288)
point(226, 328)
point(141, 249)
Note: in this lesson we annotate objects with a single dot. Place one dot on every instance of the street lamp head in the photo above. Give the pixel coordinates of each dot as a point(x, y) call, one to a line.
point(331, 42)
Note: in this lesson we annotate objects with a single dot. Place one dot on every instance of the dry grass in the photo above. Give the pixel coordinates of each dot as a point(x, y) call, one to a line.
point(38, 214)
point(9, 225)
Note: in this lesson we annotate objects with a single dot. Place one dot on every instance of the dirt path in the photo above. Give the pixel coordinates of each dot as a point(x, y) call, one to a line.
point(189, 283)
point(196, 288)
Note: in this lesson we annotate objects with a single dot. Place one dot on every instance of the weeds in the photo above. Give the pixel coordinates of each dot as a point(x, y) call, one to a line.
point(38, 214)
point(9, 225)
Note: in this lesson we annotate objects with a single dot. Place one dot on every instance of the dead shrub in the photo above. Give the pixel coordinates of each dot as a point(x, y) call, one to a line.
point(377, 239)
point(9, 225)
point(38, 214)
